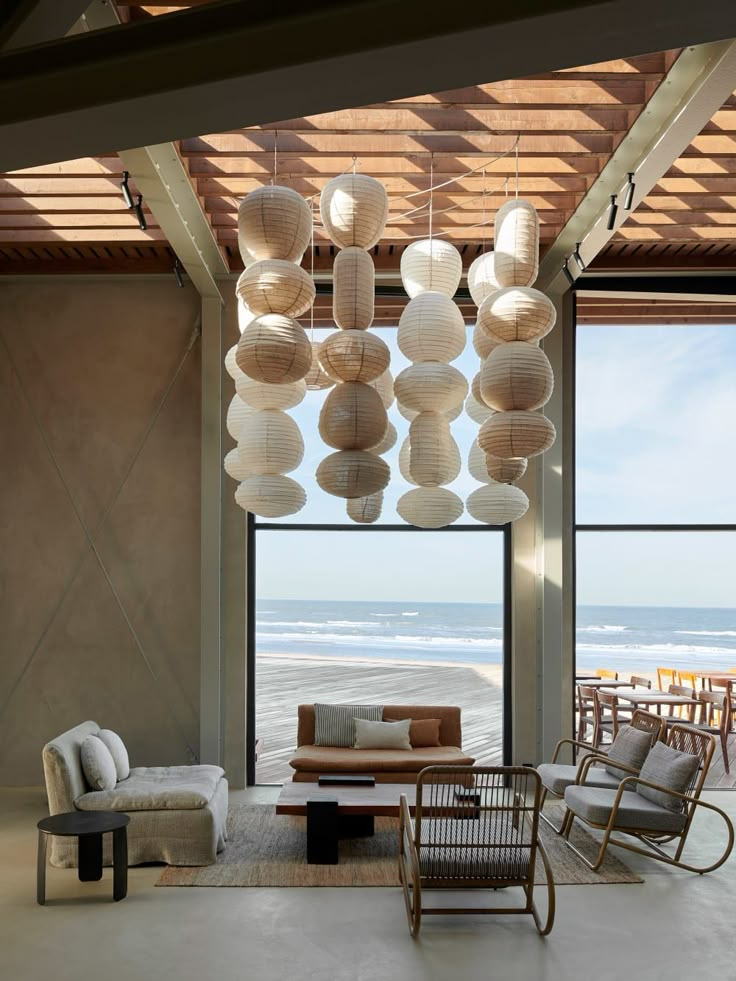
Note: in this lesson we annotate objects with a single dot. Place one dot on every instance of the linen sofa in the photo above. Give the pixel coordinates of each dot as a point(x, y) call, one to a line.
point(387, 765)
point(177, 813)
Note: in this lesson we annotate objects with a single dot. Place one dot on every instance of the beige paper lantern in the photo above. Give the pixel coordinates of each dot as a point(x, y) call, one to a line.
point(354, 209)
point(516, 244)
point(516, 434)
point(259, 395)
point(431, 387)
point(245, 316)
point(477, 464)
point(273, 223)
point(388, 442)
point(431, 264)
point(404, 460)
point(475, 392)
point(431, 328)
point(276, 286)
point(315, 379)
point(234, 466)
point(504, 471)
point(482, 278)
point(271, 496)
point(231, 365)
point(353, 473)
point(365, 510)
point(353, 417)
point(237, 413)
point(478, 411)
point(516, 376)
point(517, 314)
point(274, 349)
point(482, 342)
point(354, 356)
point(430, 507)
point(434, 458)
point(384, 385)
point(450, 414)
point(353, 289)
point(270, 443)
point(497, 504)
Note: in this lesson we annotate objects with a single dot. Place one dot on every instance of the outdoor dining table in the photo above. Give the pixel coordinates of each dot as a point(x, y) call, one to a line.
point(649, 696)
point(601, 683)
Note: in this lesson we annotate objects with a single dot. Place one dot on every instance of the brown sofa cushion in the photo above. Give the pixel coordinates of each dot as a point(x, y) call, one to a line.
point(331, 759)
point(424, 732)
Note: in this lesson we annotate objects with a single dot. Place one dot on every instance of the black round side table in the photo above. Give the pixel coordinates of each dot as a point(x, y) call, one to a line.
point(88, 827)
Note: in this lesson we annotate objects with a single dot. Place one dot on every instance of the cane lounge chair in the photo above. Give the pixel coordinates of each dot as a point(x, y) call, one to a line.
point(474, 828)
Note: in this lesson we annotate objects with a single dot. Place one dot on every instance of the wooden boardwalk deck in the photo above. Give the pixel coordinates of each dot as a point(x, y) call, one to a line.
point(282, 683)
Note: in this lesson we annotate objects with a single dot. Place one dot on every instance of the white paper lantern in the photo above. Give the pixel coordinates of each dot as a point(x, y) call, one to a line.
point(516, 376)
point(504, 471)
point(434, 458)
point(274, 349)
point(273, 223)
point(431, 387)
point(234, 466)
point(353, 417)
point(449, 414)
point(231, 365)
point(478, 411)
point(276, 286)
point(497, 504)
point(404, 459)
point(271, 497)
point(516, 434)
point(482, 278)
point(354, 356)
point(353, 289)
point(431, 328)
point(245, 316)
point(388, 442)
point(353, 473)
point(517, 314)
point(237, 413)
point(259, 395)
point(477, 464)
point(475, 392)
point(431, 264)
point(270, 443)
point(354, 209)
point(384, 385)
point(430, 507)
point(483, 343)
point(316, 379)
point(365, 510)
point(516, 244)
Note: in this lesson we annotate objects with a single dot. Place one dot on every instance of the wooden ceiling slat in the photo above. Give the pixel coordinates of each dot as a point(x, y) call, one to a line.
point(78, 221)
point(329, 163)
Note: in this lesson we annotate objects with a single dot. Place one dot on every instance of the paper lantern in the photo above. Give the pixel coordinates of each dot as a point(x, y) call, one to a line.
point(271, 497)
point(270, 443)
point(516, 434)
point(258, 395)
point(431, 387)
point(245, 316)
point(475, 392)
point(431, 328)
point(404, 459)
point(231, 365)
point(237, 413)
point(354, 356)
point(478, 411)
point(384, 385)
point(482, 278)
point(273, 223)
point(276, 286)
point(274, 349)
point(517, 314)
point(431, 264)
point(316, 379)
point(449, 414)
point(353, 417)
point(354, 209)
point(353, 473)
point(516, 244)
point(477, 464)
point(497, 504)
point(234, 466)
point(430, 507)
point(365, 510)
point(388, 442)
point(353, 289)
point(504, 471)
point(516, 376)
point(434, 458)
point(483, 343)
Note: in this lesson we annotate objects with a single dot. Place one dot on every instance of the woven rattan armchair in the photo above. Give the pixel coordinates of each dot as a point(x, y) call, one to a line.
point(474, 828)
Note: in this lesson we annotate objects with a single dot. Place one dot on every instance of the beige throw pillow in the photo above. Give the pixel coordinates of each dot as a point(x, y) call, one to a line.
point(118, 752)
point(382, 735)
point(98, 764)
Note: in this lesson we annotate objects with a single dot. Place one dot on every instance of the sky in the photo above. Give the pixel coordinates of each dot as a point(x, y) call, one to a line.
point(656, 424)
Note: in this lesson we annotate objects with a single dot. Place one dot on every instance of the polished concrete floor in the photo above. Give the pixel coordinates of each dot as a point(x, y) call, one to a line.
point(675, 925)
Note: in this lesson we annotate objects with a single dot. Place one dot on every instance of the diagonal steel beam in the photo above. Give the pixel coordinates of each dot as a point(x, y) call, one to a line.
point(230, 64)
point(27, 22)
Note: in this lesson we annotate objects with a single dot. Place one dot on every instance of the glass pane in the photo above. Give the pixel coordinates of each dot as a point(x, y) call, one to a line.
point(655, 410)
point(338, 620)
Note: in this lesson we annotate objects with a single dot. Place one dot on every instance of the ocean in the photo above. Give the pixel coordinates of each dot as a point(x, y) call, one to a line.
point(626, 638)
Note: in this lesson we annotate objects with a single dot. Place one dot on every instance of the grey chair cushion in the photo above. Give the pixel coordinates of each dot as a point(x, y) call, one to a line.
point(629, 747)
point(118, 752)
point(334, 725)
point(98, 764)
point(594, 804)
point(557, 777)
point(669, 768)
point(157, 788)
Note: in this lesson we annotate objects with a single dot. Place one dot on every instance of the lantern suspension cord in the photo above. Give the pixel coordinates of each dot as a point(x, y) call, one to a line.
point(311, 273)
point(468, 173)
point(483, 211)
point(275, 155)
point(431, 216)
point(516, 155)
point(453, 207)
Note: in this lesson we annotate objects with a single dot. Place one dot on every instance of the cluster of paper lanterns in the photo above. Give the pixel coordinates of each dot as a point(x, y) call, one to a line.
point(515, 379)
point(430, 392)
point(274, 355)
point(353, 420)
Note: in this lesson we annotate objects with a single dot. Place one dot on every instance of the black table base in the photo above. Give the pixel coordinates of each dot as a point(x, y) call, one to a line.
point(325, 827)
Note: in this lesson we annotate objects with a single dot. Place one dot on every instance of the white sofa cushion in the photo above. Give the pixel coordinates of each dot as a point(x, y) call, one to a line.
point(157, 788)
point(118, 752)
point(382, 735)
point(98, 764)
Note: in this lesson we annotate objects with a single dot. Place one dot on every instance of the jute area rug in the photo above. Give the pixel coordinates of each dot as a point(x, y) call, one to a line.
point(265, 849)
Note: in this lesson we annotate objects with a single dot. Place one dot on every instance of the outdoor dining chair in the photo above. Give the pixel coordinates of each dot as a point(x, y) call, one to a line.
point(715, 718)
point(474, 828)
point(605, 673)
point(586, 712)
point(666, 677)
point(640, 682)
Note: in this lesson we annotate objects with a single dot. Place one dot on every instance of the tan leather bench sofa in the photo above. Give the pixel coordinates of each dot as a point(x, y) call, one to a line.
point(387, 765)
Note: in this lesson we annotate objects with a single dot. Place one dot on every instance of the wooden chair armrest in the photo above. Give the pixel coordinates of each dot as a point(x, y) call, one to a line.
point(570, 742)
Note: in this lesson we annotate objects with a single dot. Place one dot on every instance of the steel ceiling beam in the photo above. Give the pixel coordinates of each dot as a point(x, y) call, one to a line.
point(29, 22)
point(231, 64)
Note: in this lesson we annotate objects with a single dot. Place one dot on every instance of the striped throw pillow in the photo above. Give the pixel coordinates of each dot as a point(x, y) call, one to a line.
point(334, 725)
